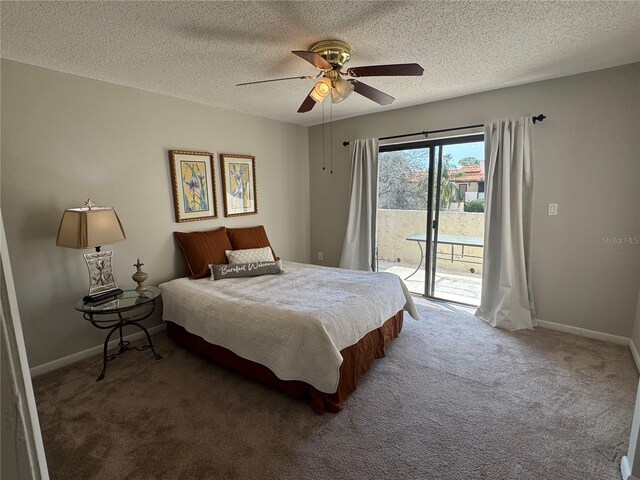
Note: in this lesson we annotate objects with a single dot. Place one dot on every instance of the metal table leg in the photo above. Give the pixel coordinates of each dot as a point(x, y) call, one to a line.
point(105, 359)
point(150, 344)
point(123, 344)
point(420, 264)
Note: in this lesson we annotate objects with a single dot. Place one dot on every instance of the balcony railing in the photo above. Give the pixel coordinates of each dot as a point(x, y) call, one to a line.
point(458, 264)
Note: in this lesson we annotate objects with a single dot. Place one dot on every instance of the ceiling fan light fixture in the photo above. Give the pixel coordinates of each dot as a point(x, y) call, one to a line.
point(321, 90)
point(341, 90)
point(329, 56)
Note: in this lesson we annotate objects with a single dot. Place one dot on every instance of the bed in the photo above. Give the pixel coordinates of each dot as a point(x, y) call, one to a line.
point(310, 331)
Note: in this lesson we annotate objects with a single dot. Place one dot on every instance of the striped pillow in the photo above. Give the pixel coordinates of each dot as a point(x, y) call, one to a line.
point(203, 248)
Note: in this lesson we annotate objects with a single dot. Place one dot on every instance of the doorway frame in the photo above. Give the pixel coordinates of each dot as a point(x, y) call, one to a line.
point(433, 196)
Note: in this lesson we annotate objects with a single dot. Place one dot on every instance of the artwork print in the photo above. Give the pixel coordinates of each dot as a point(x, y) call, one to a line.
point(239, 181)
point(240, 191)
point(193, 183)
point(193, 176)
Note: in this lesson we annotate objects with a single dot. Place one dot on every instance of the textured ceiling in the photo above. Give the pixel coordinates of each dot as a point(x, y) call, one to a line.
point(200, 50)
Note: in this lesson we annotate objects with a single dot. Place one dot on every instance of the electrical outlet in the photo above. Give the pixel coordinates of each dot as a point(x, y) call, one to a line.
point(553, 209)
point(320, 256)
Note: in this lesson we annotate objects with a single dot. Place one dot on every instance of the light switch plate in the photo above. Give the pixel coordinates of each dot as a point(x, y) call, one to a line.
point(553, 209)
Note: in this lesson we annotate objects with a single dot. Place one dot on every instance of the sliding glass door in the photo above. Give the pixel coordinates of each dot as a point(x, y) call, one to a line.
point(403, 184)
point(431, 216)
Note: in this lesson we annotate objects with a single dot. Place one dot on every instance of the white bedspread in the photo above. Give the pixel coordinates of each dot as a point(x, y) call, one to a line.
point(294, 323)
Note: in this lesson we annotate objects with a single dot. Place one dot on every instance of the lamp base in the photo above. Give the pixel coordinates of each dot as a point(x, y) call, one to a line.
point(101, 283)
point(102, 297)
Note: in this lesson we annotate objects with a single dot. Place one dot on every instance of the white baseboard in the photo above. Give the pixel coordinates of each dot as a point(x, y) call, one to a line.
point(89, 352)
point(625, 470)
point(584, 332)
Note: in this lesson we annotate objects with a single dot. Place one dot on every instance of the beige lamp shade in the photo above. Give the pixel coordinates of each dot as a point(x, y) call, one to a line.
point(321, 90)
point(89, 227)
point(341, 90)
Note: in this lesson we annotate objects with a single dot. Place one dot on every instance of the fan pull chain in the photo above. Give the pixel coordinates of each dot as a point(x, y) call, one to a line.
point(331, 134)
point(322, 105)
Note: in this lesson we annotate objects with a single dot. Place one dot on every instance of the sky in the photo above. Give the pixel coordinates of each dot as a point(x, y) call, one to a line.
point(475, 149)
point(461, 150)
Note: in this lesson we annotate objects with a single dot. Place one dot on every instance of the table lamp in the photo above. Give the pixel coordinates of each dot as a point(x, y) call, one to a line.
point(90, 227)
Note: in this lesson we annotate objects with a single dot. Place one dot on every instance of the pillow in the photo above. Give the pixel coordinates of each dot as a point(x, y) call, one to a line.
point(252, 269)
point(249, 237)
point(250, 255)
point(202, 248)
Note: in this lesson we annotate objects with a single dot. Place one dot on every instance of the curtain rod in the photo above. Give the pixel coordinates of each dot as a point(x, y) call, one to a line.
point(536, 118)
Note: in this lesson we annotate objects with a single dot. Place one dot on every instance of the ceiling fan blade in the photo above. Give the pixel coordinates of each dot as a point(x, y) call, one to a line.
point(372, 93)
point(308, 103)
point(303, 77)
point(399, 69)
point(314, 59)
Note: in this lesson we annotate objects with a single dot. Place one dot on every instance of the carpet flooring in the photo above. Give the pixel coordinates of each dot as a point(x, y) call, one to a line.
point(453, 399)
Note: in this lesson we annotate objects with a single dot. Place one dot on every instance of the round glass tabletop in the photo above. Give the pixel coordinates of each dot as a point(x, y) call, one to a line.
point(125, 301)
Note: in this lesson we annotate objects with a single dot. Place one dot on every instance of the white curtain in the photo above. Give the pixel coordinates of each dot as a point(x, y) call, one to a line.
point(507, 298)
point(358, 250)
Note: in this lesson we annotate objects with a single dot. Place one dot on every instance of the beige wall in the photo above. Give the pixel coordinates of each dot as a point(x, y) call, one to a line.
point(66, 138)
point(587, 161)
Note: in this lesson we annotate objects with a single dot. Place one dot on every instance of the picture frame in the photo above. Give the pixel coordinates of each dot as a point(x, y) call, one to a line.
point(193, 181)
point(239, 184)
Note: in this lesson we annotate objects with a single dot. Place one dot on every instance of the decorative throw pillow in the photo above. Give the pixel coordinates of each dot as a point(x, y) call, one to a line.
point(249, 255)
point(252, 269)
point(202, 248)
point(249, 237)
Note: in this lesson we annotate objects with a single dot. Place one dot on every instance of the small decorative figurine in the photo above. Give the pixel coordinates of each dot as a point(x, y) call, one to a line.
point(139, 277)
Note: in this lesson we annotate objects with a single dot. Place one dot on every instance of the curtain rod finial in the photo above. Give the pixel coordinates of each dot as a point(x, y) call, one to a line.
point(539, 118)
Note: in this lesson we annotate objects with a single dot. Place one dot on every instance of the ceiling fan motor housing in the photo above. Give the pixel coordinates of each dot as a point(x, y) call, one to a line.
point(335, 52)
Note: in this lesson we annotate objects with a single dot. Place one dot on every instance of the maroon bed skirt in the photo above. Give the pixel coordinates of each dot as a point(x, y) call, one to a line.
point(358, 359)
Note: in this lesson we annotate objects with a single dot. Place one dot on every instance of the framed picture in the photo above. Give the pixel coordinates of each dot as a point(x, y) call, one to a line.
point(194, 185)
point(239, 183)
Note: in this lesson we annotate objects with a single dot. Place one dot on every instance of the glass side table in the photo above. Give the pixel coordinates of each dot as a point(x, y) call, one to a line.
point(128, 308)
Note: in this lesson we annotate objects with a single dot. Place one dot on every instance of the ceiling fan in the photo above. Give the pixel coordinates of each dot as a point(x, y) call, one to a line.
point(329, 56)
